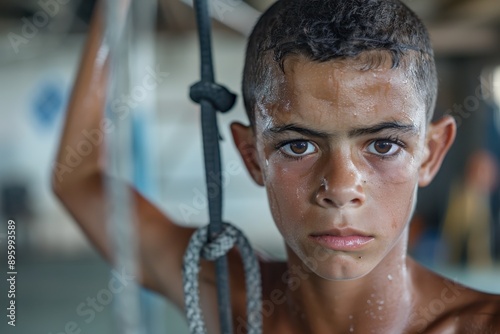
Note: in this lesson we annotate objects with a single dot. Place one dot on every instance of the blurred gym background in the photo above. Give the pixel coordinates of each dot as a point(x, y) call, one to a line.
point(456, 230)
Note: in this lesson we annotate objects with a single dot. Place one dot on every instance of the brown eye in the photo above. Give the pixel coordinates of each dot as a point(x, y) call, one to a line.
point(384, 147)
point(298, 148)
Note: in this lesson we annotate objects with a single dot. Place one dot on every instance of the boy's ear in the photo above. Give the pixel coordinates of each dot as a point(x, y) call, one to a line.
point(440, 136)
point(245, 143)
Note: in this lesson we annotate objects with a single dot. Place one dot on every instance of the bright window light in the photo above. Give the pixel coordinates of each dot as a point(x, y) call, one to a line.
point(496, 85)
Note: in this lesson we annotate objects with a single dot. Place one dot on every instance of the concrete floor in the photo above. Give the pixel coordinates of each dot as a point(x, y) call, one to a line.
point(50, 294)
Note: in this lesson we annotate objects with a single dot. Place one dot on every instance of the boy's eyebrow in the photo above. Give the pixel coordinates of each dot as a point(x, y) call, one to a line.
point(296, 128)
point(395, 125)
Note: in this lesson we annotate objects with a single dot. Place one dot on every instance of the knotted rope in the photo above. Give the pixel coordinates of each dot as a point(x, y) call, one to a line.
point(200, 247)
point(214, 241)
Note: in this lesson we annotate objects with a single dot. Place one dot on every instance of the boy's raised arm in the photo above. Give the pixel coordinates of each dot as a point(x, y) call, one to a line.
point(80, 183)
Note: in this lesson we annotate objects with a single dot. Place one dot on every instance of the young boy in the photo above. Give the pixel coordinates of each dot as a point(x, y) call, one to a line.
point(340, 95)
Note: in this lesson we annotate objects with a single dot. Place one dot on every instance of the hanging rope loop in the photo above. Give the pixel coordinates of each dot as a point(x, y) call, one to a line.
point(219, 96)
point(215, 240)
point(198, 247)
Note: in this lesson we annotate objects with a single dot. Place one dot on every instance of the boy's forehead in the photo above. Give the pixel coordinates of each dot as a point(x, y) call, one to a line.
point(303, 76)
point(319, 91)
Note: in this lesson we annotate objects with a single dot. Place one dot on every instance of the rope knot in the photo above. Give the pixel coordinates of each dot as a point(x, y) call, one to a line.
point(200, 247)
point(219, 96)
point(220, 245)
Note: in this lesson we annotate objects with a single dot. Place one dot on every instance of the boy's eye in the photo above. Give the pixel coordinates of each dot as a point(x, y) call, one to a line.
point(383, 147)
point(298, 148)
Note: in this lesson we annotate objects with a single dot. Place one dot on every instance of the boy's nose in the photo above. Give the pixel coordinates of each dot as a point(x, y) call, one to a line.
point(341, 186)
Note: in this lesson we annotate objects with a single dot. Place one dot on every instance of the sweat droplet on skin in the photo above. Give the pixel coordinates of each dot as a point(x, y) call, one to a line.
point(389, 277)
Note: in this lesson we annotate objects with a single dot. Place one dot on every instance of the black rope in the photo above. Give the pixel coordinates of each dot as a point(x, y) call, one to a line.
point(213, 97)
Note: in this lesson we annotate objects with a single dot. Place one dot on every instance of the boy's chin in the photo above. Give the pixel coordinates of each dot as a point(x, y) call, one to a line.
point(342, 266)
point(340, 273)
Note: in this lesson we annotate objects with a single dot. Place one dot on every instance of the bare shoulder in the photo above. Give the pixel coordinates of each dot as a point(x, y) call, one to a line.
point(444, 305)
point(481, 314)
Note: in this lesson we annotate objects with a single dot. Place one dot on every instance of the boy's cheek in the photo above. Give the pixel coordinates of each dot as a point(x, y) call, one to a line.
point(396, 197)
point(393, 172)
point(279, 167)
point(289, 182)
point(288, 189)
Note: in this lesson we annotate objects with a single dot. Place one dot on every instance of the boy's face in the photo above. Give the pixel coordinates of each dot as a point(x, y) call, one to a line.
point(341, 156)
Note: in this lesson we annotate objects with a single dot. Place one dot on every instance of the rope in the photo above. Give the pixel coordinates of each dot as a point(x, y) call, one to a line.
point(200, 247)
point(203, 93)
point(214, 241)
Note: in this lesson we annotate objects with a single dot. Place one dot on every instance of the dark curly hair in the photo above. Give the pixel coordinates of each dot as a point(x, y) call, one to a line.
point(323, 30)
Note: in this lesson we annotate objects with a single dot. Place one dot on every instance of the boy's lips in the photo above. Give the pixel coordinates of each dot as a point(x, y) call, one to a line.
point(342, 239)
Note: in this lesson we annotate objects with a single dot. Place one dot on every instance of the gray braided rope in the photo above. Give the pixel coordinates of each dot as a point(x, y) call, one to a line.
point(199, 247)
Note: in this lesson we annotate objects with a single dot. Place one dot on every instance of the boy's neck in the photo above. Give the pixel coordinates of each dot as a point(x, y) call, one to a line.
point(380, 299)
